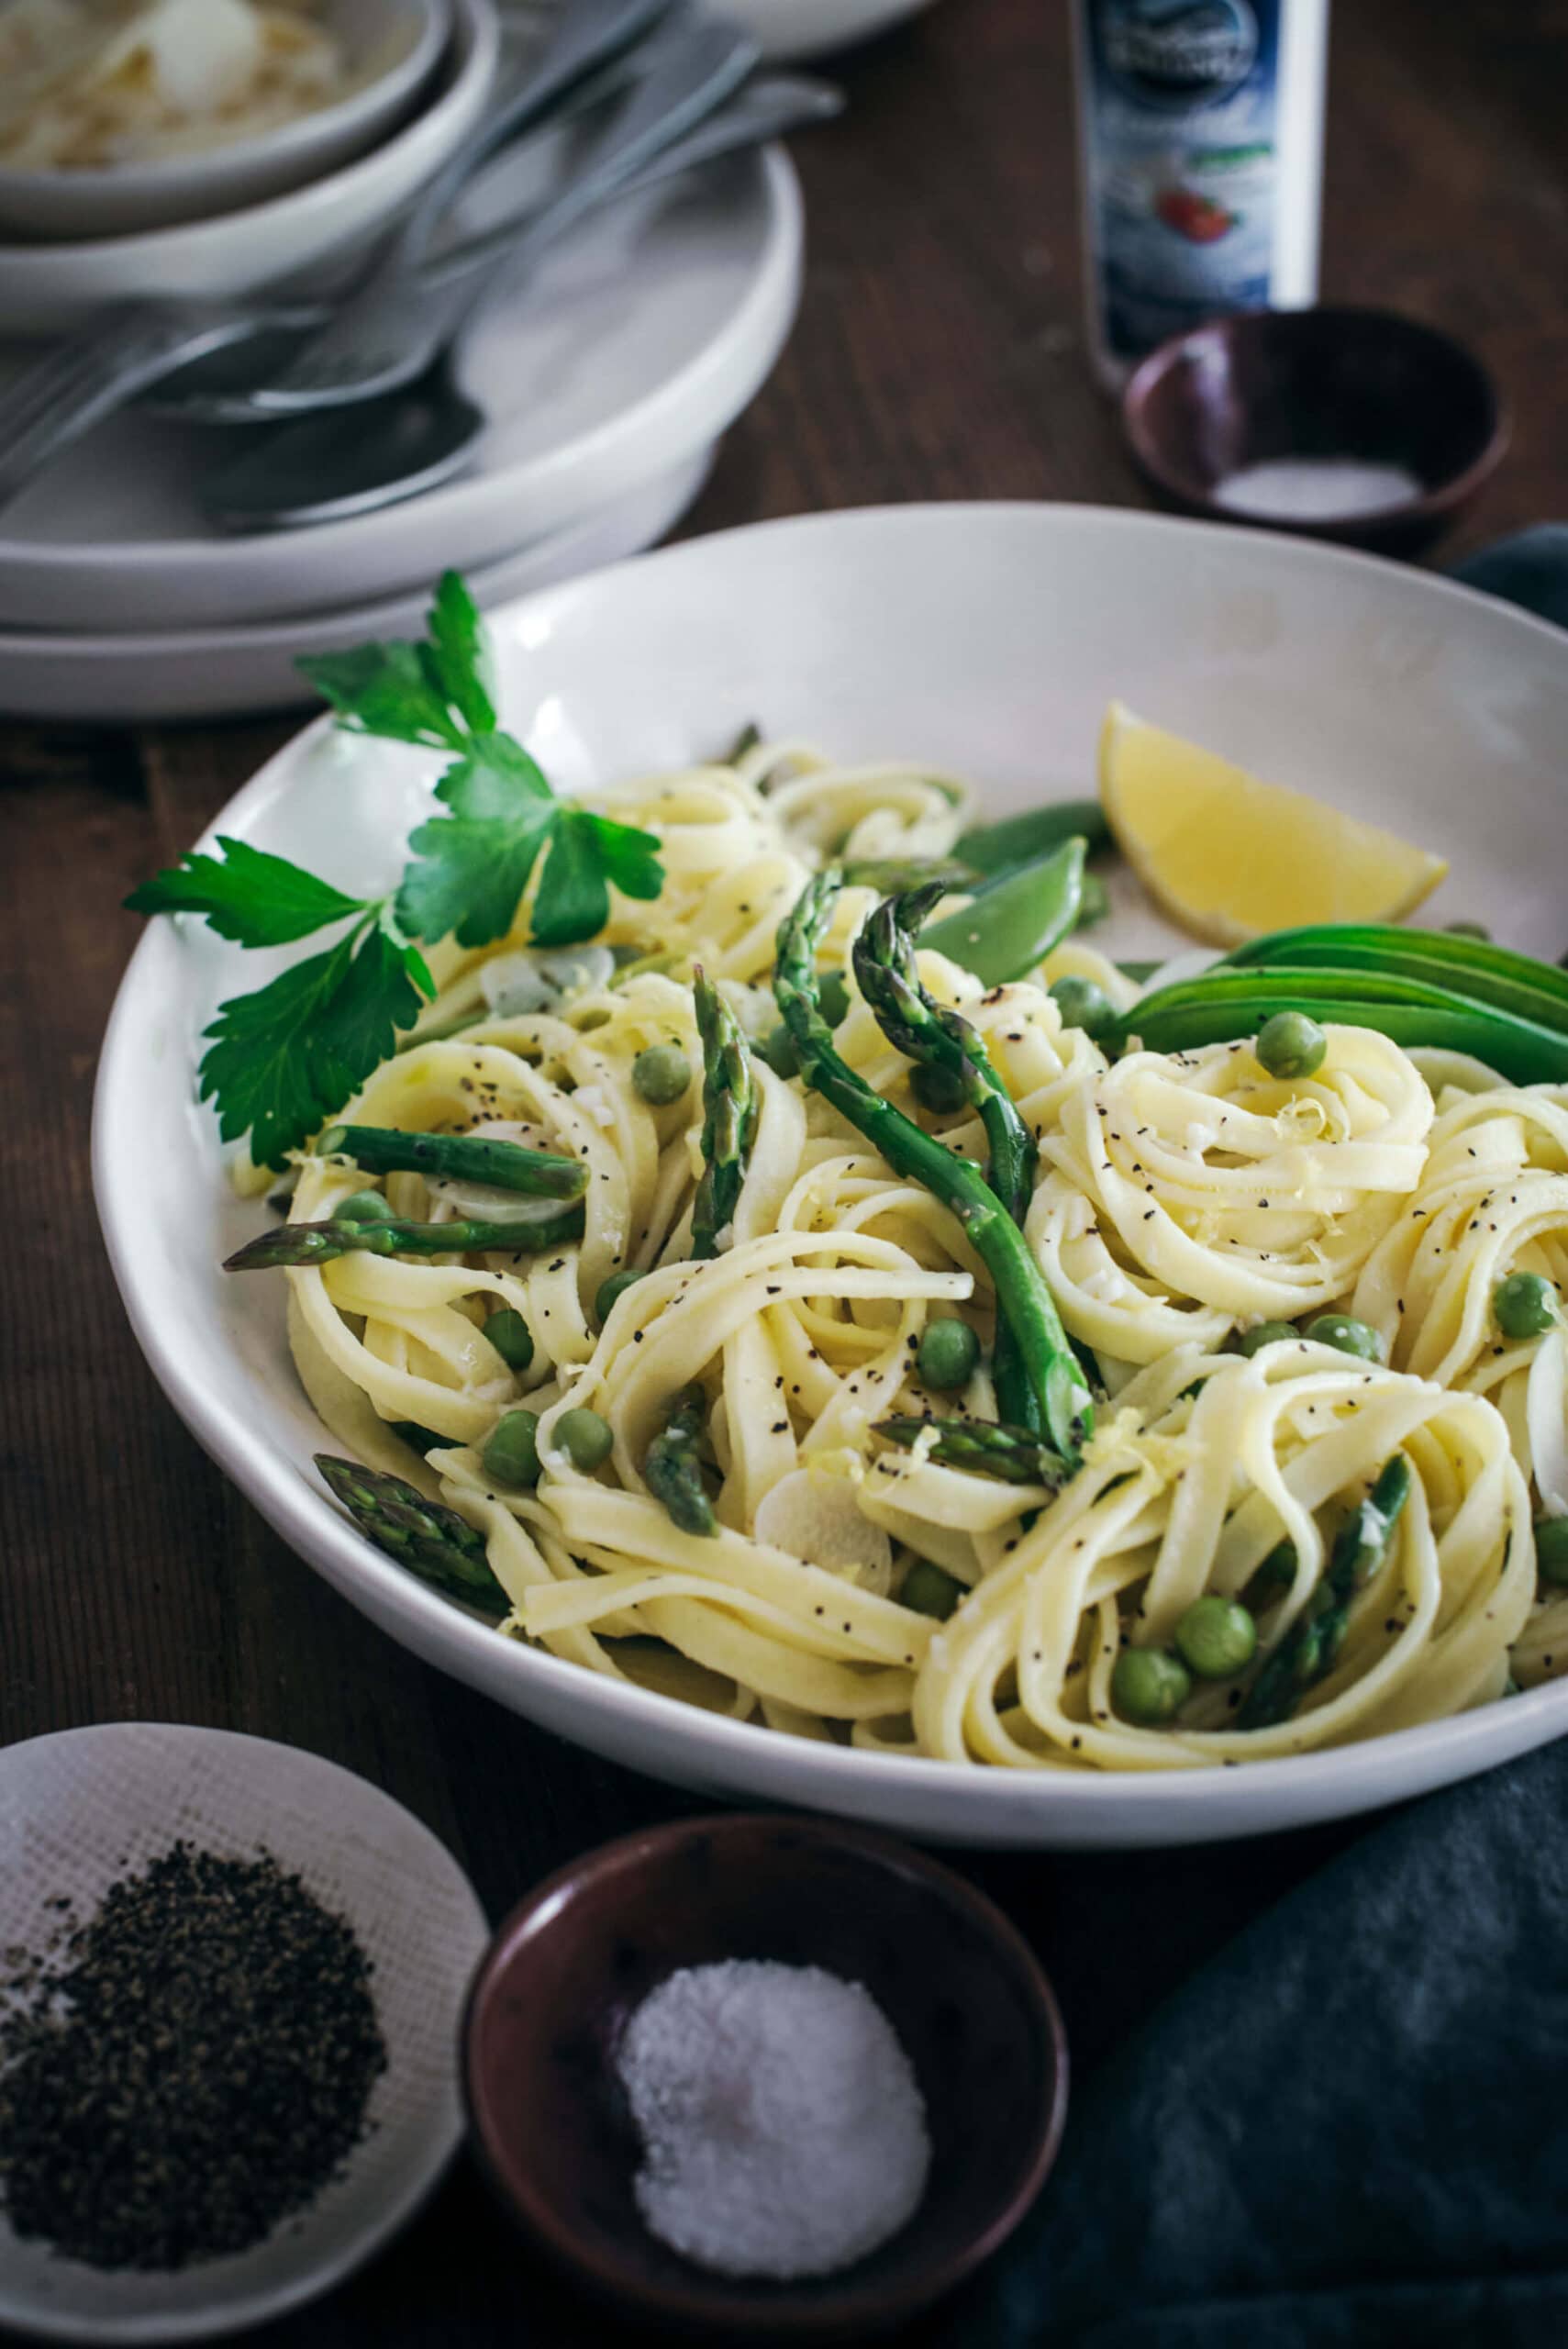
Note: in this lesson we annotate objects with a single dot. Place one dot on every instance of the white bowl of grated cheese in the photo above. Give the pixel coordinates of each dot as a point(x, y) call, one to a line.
point(120, 115)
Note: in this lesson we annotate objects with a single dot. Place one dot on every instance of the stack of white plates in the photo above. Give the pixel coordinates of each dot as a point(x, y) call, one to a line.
point(607, 378)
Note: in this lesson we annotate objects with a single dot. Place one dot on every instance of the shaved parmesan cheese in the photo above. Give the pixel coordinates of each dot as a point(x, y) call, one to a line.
point(817, 1518)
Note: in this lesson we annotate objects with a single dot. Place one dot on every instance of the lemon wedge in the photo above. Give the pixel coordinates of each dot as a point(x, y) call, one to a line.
point(1229, 856)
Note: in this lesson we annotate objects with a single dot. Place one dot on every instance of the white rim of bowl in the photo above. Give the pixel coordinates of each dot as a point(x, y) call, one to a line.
point(311, 1525)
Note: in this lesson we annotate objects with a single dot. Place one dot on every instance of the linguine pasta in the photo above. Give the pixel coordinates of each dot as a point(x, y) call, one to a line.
point(1178, 1201)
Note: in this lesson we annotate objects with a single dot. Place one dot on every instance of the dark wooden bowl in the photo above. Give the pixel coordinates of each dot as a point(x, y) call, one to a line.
point(1323, 383)
point(961, 1989)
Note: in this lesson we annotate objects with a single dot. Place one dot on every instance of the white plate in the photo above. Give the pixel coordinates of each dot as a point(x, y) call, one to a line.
point(638, 343)
point(986, 639)
point(76, 1811)
point(228, 672)
point(56, 288)
point(795, 29)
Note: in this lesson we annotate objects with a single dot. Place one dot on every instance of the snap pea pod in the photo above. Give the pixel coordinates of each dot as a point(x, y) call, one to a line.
point(1025, 840)
point(1022, 1296)
point(433, 1541)
point(1014, 1455)
point(318, 1244)
point(1481, 973)
point(1013, 923)
point(465, 1158)
point(673, 1472)
point(1222, 1004)
point(1308, 1651)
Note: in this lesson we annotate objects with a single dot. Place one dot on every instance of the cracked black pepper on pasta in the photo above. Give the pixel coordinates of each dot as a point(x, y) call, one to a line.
point(192, 2066)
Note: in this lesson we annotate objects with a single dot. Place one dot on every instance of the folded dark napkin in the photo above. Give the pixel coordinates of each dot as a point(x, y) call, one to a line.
point(1350, 2131)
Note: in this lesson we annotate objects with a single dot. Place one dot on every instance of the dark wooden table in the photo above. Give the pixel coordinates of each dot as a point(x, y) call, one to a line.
point(938, 355)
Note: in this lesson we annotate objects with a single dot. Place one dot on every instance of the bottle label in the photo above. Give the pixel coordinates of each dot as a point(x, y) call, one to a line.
point(1181, 104)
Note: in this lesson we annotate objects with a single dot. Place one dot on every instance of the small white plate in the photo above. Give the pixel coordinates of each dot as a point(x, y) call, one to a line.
point(985, 640)
point(48, 289)
point(231, 672)
point(80, 1810)
point(797, 28)
point(639, 342)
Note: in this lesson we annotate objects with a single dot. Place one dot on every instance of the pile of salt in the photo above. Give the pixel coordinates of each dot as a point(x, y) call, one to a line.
point(784, 2134)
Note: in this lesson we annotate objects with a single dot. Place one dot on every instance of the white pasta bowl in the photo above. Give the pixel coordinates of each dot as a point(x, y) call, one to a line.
point(985, 640)
point(389, 49)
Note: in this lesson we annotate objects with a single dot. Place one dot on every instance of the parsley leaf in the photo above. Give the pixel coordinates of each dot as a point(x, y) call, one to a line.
point(249, 896)
point(472, 866)
point(586, 853)
point(436, 693)
point(283, 1059)
point(459, 661)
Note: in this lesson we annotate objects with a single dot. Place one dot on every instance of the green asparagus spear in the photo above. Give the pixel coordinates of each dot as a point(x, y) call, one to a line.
point(673, 1471)
point(468, 1158)
point(1310, 1648)
point(318, 1244)
point(431, 1541)
point(1022, 1296)
point(937, 1038)
point(729, 1116)
point(983, 1446)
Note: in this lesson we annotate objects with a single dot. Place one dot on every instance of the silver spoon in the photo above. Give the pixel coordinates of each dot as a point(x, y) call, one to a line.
point(335, 464)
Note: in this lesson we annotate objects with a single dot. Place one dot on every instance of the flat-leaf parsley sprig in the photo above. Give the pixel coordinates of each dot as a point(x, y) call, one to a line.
point(283, 1060)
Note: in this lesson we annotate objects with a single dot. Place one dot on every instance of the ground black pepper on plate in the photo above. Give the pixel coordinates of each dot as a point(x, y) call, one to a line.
point(193, 2064)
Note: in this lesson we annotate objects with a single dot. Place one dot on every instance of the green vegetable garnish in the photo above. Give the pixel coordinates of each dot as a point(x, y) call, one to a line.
point(930, 1591)
point(1148, 1686)
point(1525, 1306)
point(585, 1437)
point(1290, 1045)
point(511, 1451)
point(279, 1061)
point(948, 1353)
point(1552, 1548)
point(1082, 1004)
point(1216, 1638)
point(1265, 1333)
point(660, 1075)
point(1346, 1335)
point(511, 1337)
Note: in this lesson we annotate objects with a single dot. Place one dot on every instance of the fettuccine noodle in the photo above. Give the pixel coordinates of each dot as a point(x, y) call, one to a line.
point(1178, 1201)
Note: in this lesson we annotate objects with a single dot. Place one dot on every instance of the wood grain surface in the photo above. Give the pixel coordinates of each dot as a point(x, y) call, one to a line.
point(938, 355)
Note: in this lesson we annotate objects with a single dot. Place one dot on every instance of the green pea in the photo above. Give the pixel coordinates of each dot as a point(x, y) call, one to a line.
point(833, 995)
point(511, 1449)
point(1267, 1333)
point(1346, 1335)
point(364, 1207)
point(948, 1353)
point(615, 1286)
point(1525, 1305)
point(585, 1438)
point(511, 1337)
point(662, 1074)
point(937, 1089)
point(1468, 930)
point(1148, 1686)
point(1552, 1548)
point(930, 1591)
point(1291, 1045)
point(1216, 1637)
point(777, 1047)
point(1082, 1004)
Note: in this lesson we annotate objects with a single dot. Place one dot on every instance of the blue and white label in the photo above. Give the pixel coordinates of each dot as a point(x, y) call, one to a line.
point(1181, 105)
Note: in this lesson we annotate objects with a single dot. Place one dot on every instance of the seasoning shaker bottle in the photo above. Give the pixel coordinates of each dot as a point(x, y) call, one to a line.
point(1200, 137)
